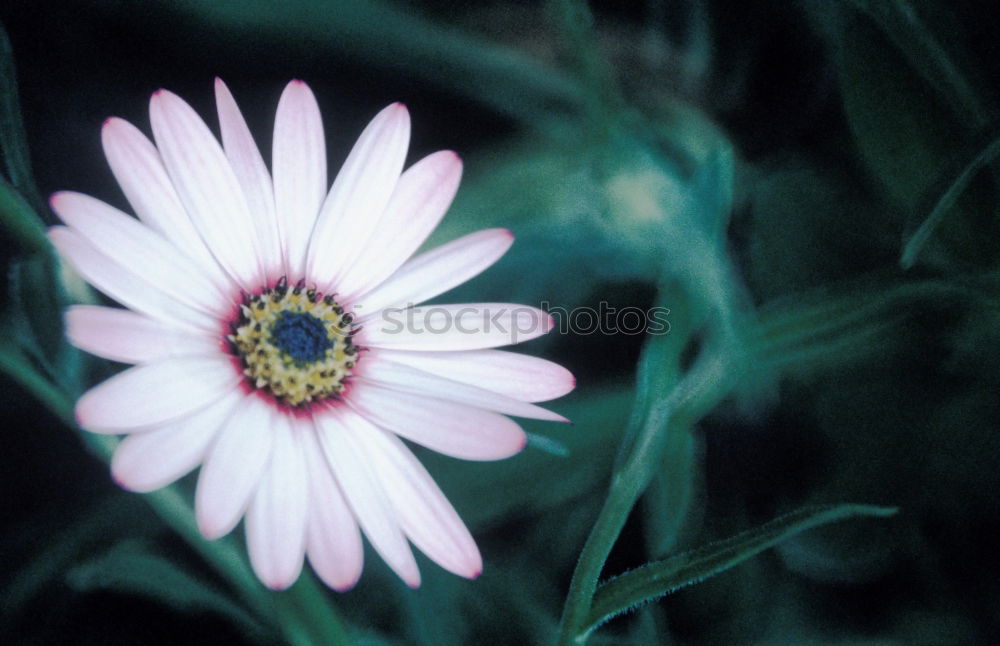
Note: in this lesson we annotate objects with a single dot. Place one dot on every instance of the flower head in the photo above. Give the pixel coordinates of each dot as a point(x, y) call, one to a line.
point(259, 324)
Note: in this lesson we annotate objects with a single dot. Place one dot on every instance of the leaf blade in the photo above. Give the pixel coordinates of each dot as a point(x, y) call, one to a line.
point(660, 578)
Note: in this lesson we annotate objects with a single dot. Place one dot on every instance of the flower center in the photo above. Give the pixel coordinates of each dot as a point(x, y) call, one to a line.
point(301, 336)
point(294, 344)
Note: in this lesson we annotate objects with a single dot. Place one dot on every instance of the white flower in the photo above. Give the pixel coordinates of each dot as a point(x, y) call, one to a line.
point(259, 324)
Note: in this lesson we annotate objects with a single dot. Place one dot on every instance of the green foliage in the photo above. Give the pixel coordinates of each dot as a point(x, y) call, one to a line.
point(914, 115)
point(659, 578)
point(690, 157)
point(131, 567)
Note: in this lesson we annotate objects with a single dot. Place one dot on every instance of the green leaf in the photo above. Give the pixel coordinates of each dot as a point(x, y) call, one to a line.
point(667, 501)
point(901, 129)
point(132, 567)
point(654, 580)
point(810, 225)
point(836, 324)
point(382, 34)
point(121, 513)
point(902, 22)
point(13, 142)
point(912, 110)
point(37, 302)
point(946, 202)
point(666, 406)
point(538, 480)
point(19, 367)
point(20, 220)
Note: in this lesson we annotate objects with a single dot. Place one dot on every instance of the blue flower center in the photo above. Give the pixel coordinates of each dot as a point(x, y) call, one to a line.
point(301, 336)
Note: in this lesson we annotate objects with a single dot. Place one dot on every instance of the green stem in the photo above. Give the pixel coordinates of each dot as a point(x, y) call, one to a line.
point(946, 202)
point(664, 425)
point(301, 613)
point(603, 100)
point(13, 142)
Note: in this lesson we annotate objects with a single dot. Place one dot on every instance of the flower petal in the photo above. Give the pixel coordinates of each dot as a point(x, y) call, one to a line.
point(338, 433)
point(150, 395)
point(251, 173)
point(276, 519)
point(298, 161)
point(119, 283)
point(437, 271)
point(129, 337)
point(446, 427)
point(358, 197)
point(137, 166)
point(421, 198)
point(234, 467)
point(333, 542)
point(207, 186)
point(471, 326)
point(378, 369)
point(147, 461)
point(519, 376)
point(424, 513)
point(151, 258)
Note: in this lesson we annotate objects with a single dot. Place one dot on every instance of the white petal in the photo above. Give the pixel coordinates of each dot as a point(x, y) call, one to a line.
point(446, 427)
point(153, 394)
point(421, 198)
point(235, 464)
point(147, 255)
point(471, 326)
point(360, 193)
point(276, 518)
point(251, 173)
point(333, 542)
point(516, 375)
point(437, 271)
point(129, 337)
point(298, 161)
point(207, 187)
point(119, 283)
point(338, 432)
point(377, 369)
point(139, 170)
point(147, 461)
point(424, 513)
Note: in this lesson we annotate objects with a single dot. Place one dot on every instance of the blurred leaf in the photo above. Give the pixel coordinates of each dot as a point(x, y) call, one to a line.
point(902, 130)
point(624, 209)
point(121, 513)
point(666, 405)
point(20, 220)
point(840, 323)
point(131, 567)
point(13, 143)
point(901, 21)
point(669, 497)
point(37, 301)
point(845, 553)
point(811, 225)
point(19, 367)
point(535, 481)
point(908, 136)
point(654, 580)
point(603, 99)
point(382, 34)
point(946, 202)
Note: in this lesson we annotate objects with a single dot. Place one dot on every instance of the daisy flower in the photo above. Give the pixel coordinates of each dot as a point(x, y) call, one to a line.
point(275, 342)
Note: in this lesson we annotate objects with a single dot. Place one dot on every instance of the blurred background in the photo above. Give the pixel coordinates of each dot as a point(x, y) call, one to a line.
point(810, 186)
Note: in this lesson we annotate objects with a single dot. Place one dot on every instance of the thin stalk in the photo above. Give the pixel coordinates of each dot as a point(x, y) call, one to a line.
point(667, 421)
point(301, 613)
